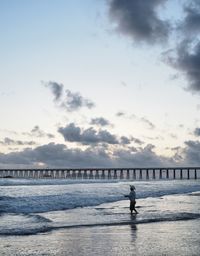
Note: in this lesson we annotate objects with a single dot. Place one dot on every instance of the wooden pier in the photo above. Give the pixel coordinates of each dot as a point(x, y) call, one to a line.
point(104, 173)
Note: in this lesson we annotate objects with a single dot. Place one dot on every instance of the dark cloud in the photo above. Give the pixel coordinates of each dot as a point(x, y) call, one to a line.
point(68, 100)
point(191, 22)
point(125, 140)
point(71, 133)
point(174, 148)
point(137, 141)
point(10, 142)
point(58, 155)
point(187, 60)
point(74, 133)
point(188, 155)
point(178, 155)
point(100, 121)
point(139, 19)
point(192, 153)
point(144, 157)
point(37, 132)
point(56, 89)
point(185, 57)
point(197, 132)
point(74, 101)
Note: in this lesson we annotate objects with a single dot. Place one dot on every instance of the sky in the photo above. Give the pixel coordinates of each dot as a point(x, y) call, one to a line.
point(99, 83)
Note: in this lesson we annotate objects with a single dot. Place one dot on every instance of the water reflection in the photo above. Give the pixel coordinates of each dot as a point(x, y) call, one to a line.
point(133, 227)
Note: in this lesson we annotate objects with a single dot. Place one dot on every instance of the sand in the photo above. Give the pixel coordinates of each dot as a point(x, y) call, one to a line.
point(163, 238)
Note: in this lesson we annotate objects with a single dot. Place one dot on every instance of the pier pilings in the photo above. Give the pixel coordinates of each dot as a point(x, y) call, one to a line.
point(167, 173)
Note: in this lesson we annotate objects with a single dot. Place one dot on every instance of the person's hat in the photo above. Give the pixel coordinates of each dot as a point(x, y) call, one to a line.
point(132, 187)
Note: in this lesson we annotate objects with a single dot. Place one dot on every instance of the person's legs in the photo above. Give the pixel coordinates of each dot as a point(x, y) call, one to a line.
point(131, 206)
point(134, 203)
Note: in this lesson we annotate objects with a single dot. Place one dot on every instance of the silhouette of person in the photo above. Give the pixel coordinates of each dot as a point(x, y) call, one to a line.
point(132, 197)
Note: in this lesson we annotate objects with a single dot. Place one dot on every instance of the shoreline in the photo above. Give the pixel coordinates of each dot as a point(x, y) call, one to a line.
point(166, 238)
point(166, 225)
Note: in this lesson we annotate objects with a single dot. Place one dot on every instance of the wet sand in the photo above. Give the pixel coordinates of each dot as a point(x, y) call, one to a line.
point(163, 238)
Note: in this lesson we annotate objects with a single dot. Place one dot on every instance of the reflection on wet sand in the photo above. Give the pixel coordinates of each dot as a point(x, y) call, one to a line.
point(133, 227)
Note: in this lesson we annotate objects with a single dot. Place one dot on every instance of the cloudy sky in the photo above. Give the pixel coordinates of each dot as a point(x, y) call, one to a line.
point(99, 83)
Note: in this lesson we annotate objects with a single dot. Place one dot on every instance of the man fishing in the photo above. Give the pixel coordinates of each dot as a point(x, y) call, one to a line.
point(132, 197)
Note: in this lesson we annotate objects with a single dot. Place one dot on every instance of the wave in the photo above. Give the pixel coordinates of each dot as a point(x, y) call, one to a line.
point(24, 232)
point(46, 182)
point(40, 200)
point(182, 217)
point(194, 194)
point(43, 225)
point(41, 204)
point(23, 224)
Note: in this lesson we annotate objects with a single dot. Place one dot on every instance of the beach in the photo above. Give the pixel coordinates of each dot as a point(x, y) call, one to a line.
point(168, 222)
point(173, 238)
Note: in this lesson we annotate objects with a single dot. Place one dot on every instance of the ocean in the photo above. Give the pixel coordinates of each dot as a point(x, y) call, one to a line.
point(33, 209)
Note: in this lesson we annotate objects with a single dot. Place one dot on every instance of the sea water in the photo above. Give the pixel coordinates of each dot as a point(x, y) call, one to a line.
point(92, 217)
point(31, 207)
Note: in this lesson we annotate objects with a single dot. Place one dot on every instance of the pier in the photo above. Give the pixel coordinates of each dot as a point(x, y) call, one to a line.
point(104, 173)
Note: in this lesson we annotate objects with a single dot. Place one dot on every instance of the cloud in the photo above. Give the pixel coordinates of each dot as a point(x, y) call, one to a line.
point(10, 142)
point(188, 155)
point(197, 132)
point(144, 157)
point(185, 56)
point(149, 123)
point(74, 133)
point(59, 155)
point(36, 131)
point(100, 121)
point(192, 153)
point(119, 114)
point(74, 101)
point(191, 22)
point(56, 89)
point(68, 100)
point(186, 59)
point(140, 119)
point(125, 140)
point(139, 19)
point(137, 141)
